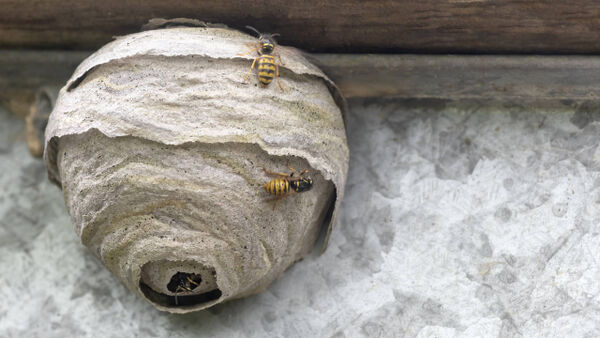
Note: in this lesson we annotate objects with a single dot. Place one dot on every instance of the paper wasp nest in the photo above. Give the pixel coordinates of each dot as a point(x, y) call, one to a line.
point(159, 150)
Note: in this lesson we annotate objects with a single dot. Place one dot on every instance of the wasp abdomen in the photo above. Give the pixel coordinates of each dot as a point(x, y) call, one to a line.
point(277, 187)
point(266, 69)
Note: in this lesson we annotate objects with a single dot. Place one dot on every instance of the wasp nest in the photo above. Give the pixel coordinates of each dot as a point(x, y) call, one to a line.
point(159, 150)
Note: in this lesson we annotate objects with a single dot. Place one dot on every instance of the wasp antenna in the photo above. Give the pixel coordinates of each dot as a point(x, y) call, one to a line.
point(276, 34)
point(254, 29)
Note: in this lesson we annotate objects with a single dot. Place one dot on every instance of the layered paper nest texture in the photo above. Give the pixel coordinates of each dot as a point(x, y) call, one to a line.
point(159, 149)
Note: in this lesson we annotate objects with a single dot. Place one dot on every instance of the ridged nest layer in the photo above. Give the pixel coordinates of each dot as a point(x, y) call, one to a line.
point(159, 149)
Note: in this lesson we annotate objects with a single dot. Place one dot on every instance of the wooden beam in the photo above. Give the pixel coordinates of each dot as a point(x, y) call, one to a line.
point(504, 78)
point(535, 80)
point(349, 26)
point(23, 72)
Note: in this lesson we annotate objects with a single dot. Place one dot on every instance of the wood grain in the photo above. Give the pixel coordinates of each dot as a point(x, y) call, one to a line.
point(533, 80)
point(23, 72)
point(505, 78)
point(455, 26)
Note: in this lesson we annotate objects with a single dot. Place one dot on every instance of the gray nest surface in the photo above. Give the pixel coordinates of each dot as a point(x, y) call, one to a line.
point(159, 149)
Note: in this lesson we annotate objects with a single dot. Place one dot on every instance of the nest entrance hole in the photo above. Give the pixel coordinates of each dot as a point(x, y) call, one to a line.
point(182, 281)
point(182, 300)
point(185, 289)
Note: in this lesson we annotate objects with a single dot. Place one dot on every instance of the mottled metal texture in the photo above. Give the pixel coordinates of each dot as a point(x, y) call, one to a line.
point(159, 150)
point(459, 220)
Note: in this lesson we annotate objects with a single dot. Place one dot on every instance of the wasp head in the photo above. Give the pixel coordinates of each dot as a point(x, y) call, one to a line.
point(266, 40)
point(267, 44)
point(304, 184)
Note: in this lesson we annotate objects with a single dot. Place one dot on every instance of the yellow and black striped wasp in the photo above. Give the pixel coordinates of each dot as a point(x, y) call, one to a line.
point(267, 68)
point(182, 281)
point(286, 184)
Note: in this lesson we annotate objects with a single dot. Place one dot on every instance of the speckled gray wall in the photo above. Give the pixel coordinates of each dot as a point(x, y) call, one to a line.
point(460, 220)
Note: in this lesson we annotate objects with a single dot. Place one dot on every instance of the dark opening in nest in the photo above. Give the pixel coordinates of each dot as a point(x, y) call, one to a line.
point(182, 300)
point(182, 281)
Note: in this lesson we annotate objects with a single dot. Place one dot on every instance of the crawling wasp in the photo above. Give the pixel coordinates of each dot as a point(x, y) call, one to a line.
point(266, 59)
point(182, 281)
point(286, 184)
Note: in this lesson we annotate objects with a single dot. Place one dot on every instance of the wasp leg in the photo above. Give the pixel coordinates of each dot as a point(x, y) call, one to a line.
point(276, 200)
point(280, 61)
point(176, 292)
point(248, 52)
point(250, 71)
point(183, 288)
point(294, 172)
point(278, 80)
point(274, 173)
point(192, 281)
point(287, 164)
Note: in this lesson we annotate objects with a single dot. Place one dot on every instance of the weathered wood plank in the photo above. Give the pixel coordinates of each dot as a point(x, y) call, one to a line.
point(428, 26)
point(508, 78)
point(23, 72)
point(516, 79)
